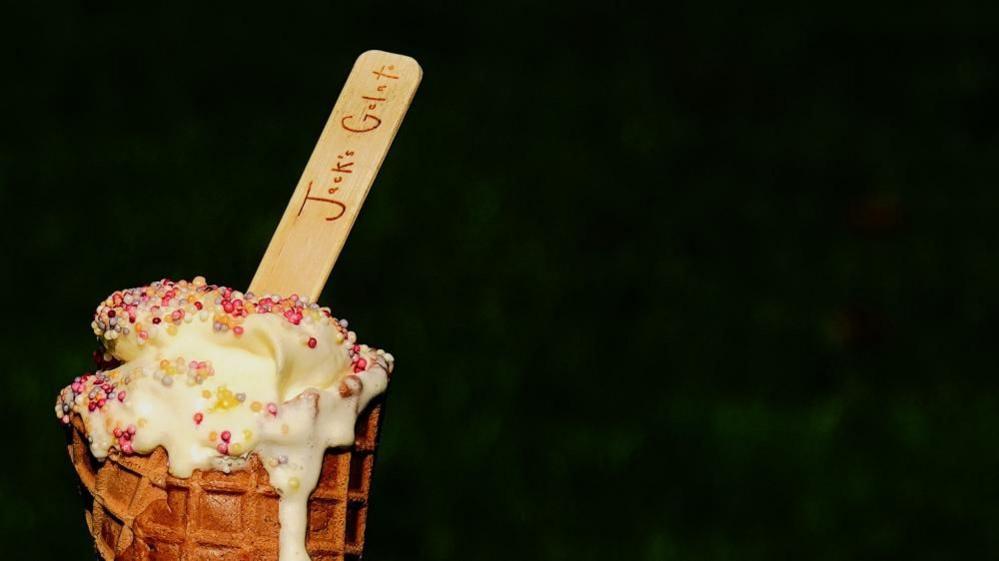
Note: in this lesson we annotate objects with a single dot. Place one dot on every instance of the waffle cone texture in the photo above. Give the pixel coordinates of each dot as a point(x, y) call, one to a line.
point(137, 511)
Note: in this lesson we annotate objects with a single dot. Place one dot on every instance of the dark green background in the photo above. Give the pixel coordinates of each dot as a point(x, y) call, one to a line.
point(714, 283)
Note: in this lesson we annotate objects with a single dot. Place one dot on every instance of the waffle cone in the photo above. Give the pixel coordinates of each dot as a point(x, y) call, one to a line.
point(137, 511)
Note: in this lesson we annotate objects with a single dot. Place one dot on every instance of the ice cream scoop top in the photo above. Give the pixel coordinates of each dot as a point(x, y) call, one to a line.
point(213, 375)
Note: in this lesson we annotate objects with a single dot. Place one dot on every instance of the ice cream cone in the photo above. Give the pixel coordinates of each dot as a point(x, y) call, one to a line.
point(137, 511)
point(225, 454)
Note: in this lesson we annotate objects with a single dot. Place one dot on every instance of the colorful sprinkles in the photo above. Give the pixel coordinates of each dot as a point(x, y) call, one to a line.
point(166, 305)
point(161, 309)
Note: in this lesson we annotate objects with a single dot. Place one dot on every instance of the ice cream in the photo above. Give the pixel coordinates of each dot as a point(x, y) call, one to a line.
point(213, 375)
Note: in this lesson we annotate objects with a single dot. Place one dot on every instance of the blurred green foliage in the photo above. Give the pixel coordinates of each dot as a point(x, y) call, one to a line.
point(709, 284)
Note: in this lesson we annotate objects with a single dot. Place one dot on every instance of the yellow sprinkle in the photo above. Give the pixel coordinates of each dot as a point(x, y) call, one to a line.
point(284, 428)
point(235, 449)
point(142, 422)
point(225, 399)
point(206, 394)
point(172, 329)
point(247, 434)
point(256, 406)
point(213, 436)
point(293, 483)
point(164, 363)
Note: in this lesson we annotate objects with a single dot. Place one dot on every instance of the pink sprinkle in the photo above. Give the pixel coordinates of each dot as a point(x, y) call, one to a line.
point(117, 432)
point(313, 342)
point(226, 435)
point(227, 306)
point(121, 396)
point(131, 429)
point(198, 417)
point(272, 408)
point(362, 364)
point(238, 330)
point(223, 448)
point(127, 447)
point(92, 405)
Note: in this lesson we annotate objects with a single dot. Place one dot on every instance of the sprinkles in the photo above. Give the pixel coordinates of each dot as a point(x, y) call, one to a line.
point(143, 316)
point(173, 304)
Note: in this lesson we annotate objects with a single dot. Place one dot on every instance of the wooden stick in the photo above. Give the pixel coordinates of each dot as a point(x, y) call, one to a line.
point(338, 176)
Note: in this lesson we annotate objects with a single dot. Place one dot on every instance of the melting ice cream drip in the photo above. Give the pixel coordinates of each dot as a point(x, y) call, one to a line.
point(213, 375)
